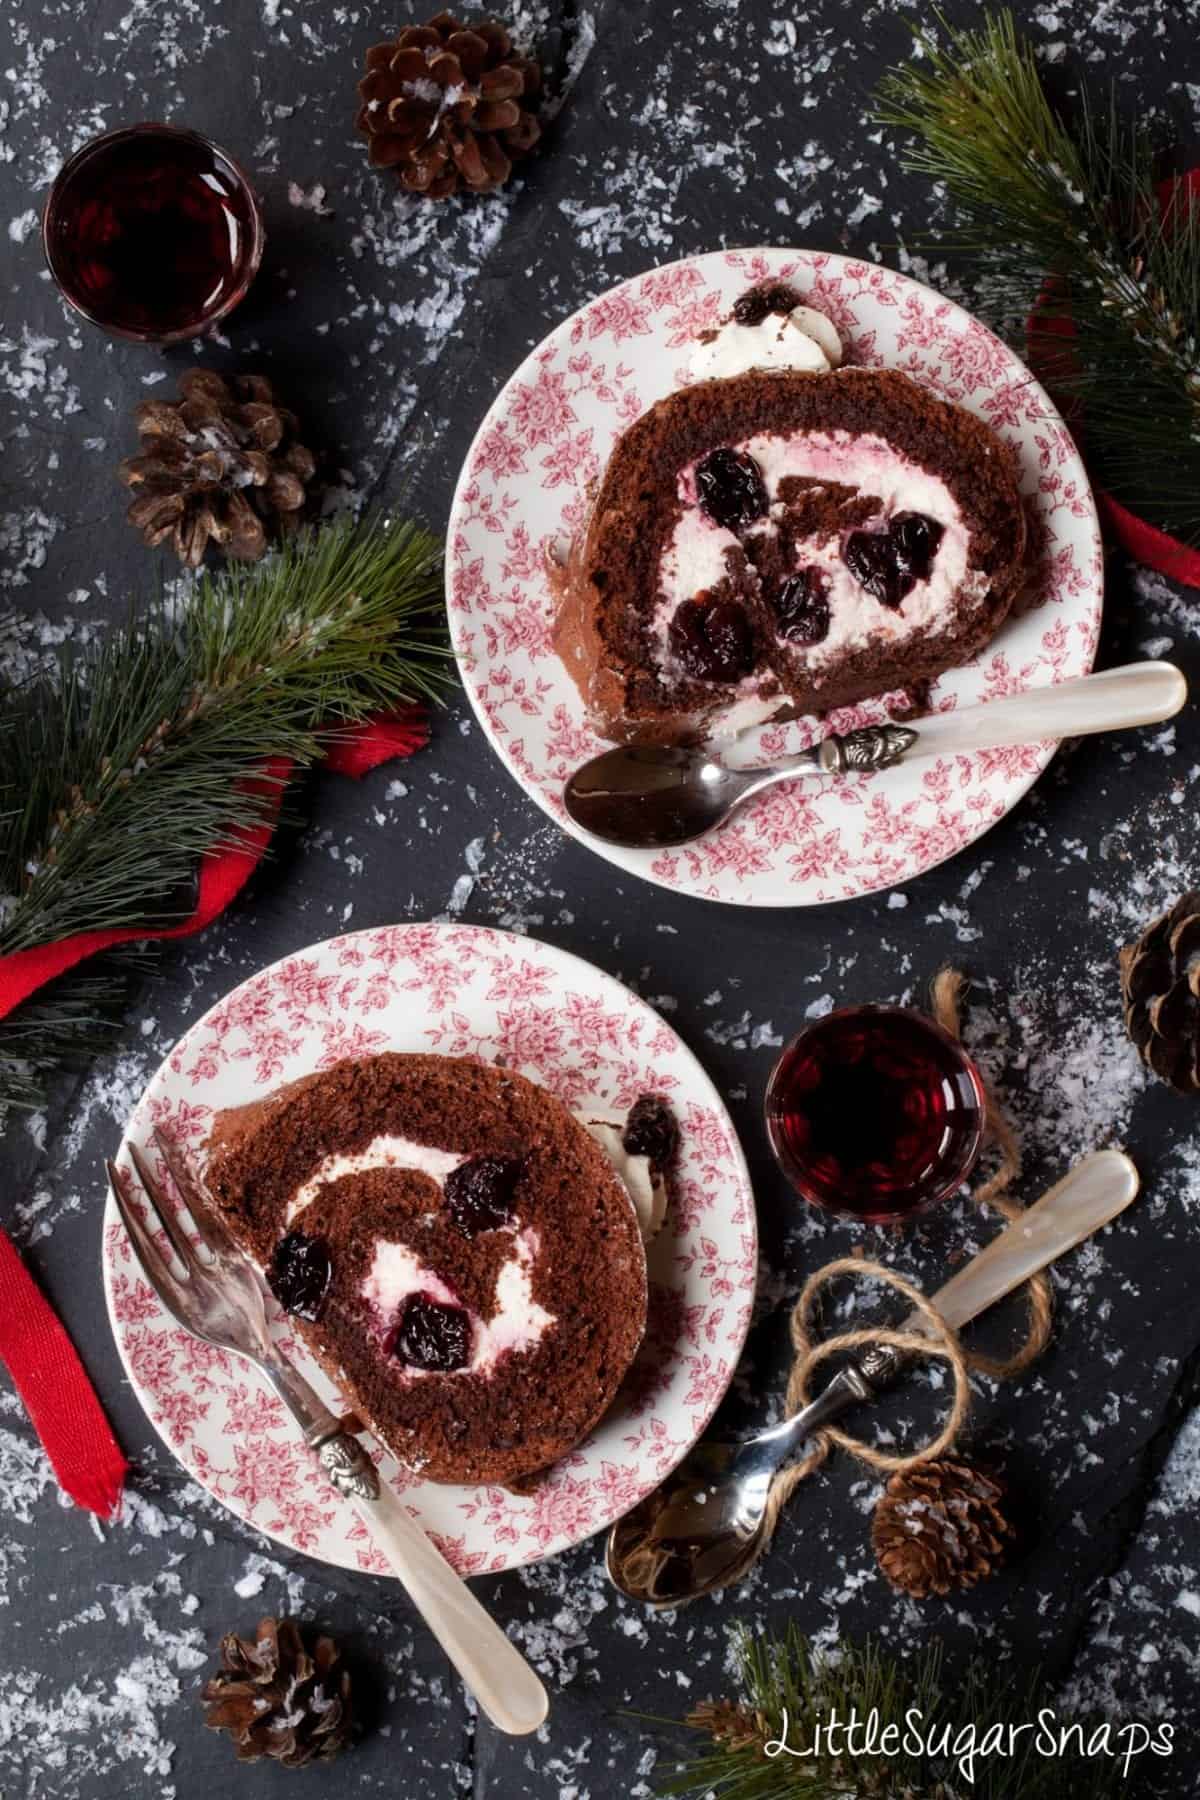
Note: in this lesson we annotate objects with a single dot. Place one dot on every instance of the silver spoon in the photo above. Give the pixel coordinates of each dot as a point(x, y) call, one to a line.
point(650, 796)
point(701, 1529)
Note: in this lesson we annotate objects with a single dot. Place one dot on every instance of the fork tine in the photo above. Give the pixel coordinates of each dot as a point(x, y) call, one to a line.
point(162, 1208)
point(191, 1193)
point(154, 1264)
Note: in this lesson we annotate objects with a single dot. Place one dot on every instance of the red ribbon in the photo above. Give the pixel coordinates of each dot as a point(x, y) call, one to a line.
point(356, 753)
point(1157, 549)
point(59, 1398)
point(224, 872)
point(48, 1375)
point(1147, 544)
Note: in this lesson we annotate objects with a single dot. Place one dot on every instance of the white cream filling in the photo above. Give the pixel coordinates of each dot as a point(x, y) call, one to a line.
point(693, 560)
point(389, 1152)
point(647, 1190)
point(745, 713)
point(518, 1321)
point(874, 467)
point(383, 1152)
point(801, 339)
point(865, 463)
point(694, 557)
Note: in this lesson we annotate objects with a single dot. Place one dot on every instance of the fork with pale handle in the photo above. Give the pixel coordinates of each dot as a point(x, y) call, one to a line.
point(219, 1299)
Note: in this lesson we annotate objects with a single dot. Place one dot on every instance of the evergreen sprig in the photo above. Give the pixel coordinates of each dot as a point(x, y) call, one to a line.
point(1042, 197)
point(128, 759)
point(786, 1677)
point(71, 1020)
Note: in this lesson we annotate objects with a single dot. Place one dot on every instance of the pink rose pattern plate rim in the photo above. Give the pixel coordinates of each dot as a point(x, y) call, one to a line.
point(455, 990)
point(524, 486)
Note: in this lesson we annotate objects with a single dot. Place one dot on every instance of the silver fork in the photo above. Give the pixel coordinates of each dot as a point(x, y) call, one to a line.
point(219, 1299)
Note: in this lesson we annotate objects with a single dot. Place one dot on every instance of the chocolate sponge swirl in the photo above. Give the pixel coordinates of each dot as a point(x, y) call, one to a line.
point(796, 605)
point(482, 1279)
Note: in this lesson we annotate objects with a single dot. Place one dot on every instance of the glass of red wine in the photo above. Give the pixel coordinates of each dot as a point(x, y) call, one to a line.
point(876, 1113)
point(152, 233)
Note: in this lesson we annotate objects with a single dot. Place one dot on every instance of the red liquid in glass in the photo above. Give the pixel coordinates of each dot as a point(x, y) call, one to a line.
point(875, 1112)
point(152, 233)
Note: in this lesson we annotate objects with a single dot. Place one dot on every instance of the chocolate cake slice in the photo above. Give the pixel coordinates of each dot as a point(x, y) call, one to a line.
point(452, 1244)
point(786, 539)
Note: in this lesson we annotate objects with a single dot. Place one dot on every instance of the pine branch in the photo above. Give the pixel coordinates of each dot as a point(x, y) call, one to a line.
point(1038, 196)
point(784, 1677)
point(64, 1024)
point(131, 758)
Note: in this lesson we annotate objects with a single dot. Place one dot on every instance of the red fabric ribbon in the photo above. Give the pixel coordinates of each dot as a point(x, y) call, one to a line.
point(59, 1398)
point(224, 872)
point(1147, 544)
point(1157, 549)
point(356, 753)
point(41, 1359)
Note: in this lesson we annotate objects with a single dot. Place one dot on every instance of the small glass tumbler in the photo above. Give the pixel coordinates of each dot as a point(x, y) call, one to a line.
point(876, 1113)
point(152, 233)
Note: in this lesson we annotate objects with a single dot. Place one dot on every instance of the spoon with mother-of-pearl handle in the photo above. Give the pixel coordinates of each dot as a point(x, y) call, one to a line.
point(651, 796)
point(701, 1529)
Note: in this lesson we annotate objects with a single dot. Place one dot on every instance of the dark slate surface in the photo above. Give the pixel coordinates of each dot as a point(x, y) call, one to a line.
point(390, 326)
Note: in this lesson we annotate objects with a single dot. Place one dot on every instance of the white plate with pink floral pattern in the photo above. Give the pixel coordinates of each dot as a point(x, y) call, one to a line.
point(456, 990)
point(524, 486)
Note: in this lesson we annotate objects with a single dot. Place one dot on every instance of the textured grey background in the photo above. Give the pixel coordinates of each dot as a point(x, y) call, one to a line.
point(389, 326)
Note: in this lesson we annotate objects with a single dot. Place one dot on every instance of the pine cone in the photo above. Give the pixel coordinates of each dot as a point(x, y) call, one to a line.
point(221, 462)
point(938, 1526)
point(275, 1700)
point(730, 1725)
point(1160, 983)
point(445, 106)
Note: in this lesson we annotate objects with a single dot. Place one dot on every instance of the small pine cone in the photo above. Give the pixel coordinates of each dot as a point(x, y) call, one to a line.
point(221, 464)
point(277, 1701)
point(446, 106)
point(938, 1526)
point(1160, 985)
point(731, 1726)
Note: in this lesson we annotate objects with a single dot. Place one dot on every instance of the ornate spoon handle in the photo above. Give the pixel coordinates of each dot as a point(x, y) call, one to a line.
point(1142, 693)
point(1087, 1197)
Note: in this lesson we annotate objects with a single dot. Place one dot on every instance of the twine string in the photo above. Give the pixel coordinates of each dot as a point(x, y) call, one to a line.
point(938, 1339)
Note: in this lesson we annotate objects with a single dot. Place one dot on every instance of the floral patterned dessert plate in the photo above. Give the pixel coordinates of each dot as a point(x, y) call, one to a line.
point(461, 991)
point(524, 487)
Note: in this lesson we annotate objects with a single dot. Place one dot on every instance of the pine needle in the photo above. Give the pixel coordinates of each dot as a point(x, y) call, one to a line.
point(128, 760)
point(1039, 196)
point(63, 1025)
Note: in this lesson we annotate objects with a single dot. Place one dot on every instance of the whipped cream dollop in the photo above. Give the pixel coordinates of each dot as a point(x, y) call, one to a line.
point(800, 339)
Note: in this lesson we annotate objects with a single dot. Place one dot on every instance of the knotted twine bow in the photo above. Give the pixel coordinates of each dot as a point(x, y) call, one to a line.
point(942, 1342)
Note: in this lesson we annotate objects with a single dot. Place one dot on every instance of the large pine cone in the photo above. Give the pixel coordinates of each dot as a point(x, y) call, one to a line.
point(938, 1526)
point(276, 1700)
point(446, 106)
point(221, 464)
point(1160, 983)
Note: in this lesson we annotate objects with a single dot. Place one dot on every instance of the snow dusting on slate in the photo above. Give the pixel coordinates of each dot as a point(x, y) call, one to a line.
point(389, 325)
